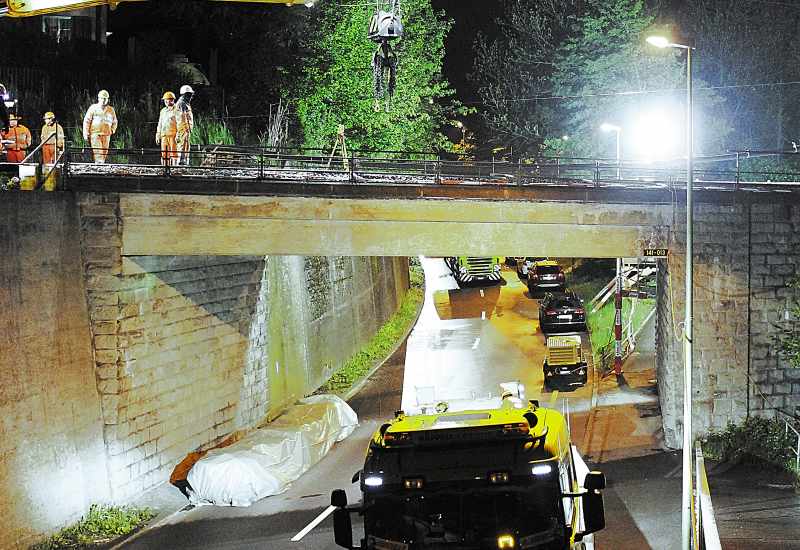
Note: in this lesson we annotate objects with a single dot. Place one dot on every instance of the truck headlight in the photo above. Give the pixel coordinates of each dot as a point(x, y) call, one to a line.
point(506, 541)
point(541, 469)
point(373, 481)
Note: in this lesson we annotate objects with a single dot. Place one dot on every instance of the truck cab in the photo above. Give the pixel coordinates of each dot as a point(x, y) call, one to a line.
point(564, 362)
point(473, 480)
point(475, 269)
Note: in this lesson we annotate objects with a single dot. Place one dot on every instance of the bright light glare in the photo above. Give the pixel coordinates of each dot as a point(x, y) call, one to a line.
point(541, 469)
point(658, 41)
point(506, 541)
point(606, 127)
point(655, 137)
point(373, 481)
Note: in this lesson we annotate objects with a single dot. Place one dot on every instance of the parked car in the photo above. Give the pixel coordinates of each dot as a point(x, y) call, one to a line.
point(545, 275)
point(525, 264)
point(562, 312)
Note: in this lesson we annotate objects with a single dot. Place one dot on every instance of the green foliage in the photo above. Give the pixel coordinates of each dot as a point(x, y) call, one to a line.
point(755, 441)
point(788, 339)
point(783, 168)
point(379, 347)
point(416, 273)
point(601, 322)
point(338, 85)
point(515, 66)
point(210, 130)
point(99, 526)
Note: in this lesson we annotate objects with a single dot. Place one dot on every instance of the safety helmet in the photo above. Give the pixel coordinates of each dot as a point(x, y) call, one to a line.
point(186, 89)
point(168, 95)
point(49, 114)
point(103, 94)
point(2, 88)
point(12, 116)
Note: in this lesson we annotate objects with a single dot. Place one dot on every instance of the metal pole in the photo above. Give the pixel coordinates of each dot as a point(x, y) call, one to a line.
point(619, 131)
point(686, 501)
point(618, 321)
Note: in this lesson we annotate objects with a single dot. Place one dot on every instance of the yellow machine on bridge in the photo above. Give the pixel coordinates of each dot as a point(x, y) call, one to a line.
point(477, 479)
point(27, 8)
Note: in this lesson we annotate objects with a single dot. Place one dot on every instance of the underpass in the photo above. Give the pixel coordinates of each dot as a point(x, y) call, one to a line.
point(465, 343)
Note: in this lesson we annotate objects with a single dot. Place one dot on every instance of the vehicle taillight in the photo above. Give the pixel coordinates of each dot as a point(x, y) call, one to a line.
point(550, 312)
point(534, 276)
point(560, 276)
point(579, 311)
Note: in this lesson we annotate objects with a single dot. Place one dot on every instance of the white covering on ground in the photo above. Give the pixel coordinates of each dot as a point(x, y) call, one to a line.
point(265, 462)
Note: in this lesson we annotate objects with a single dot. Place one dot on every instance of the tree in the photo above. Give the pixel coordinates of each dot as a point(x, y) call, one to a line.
point(338, 84)
point(741, 42)
point(606, 72)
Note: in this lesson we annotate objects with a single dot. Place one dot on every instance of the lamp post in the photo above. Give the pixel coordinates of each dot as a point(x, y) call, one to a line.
point(686, 501)
point(606, 127)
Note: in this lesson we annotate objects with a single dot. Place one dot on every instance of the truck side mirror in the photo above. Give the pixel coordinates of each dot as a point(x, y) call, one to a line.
point(594, 517)
point(356, 477)
point(342, 528)
point(339, 498)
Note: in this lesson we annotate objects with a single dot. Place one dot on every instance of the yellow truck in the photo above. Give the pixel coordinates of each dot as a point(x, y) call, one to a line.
point(473, 480)
point(564, 362)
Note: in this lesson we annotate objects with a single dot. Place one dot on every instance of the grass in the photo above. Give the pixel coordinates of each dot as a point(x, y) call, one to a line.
point(601, 322)
point(590, 276)
point(384, 341)
point(760, 442)
point(101, 525)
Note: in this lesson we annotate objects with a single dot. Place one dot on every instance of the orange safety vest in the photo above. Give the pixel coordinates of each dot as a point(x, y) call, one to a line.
point(100, 120)
point(21, 137)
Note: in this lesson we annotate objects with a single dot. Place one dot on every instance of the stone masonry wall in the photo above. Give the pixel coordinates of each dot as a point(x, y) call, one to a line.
point(741, 266)
point(190, 349)
point(774, 261)
point(52, 458)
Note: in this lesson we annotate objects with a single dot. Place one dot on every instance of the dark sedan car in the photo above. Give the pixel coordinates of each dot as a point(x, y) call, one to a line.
point(545, 276)
point(562, 312)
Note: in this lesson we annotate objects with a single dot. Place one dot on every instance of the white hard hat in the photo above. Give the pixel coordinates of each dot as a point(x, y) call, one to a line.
point(186, 89)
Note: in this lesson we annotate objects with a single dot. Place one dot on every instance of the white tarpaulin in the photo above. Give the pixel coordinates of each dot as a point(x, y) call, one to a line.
point(265, 462)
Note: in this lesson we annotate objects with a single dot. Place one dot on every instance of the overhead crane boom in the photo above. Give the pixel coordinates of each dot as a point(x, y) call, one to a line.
point(28, 8)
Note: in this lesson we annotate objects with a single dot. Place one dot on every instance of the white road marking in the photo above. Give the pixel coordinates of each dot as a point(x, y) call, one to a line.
point(481, 293)
point(477, 341)
point(483, 315)
point(325, 513)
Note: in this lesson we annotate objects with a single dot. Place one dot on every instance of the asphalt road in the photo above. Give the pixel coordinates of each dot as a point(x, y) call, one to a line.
point(465, 344)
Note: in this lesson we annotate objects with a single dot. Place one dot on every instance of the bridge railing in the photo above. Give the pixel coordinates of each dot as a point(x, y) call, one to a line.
point(398, 167)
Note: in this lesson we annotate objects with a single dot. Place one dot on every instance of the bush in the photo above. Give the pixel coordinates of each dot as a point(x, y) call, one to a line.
point(757, 441)
point(99, 526)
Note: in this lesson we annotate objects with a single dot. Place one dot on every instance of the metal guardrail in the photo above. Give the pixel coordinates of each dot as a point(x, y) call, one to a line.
point(220, 161)
point(796, 449)
point(707, 532)
point(217, 162)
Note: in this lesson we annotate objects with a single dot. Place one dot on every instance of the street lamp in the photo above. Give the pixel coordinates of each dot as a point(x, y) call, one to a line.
point(463, 128)
point(606, 127)
point(686, 501)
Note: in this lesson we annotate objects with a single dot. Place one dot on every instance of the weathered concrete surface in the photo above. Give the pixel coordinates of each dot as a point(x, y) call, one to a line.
point(193, 224)
point(52, 455)
point(115, 367)
point(743, 257)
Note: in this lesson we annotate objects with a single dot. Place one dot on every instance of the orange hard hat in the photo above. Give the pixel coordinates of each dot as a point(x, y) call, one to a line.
point(168, 95)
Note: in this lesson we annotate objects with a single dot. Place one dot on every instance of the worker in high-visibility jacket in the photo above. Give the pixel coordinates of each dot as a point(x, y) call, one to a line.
point(185, 120)
point(167, 130)
point(99, 125)
point(16, 139)
point(52, 138)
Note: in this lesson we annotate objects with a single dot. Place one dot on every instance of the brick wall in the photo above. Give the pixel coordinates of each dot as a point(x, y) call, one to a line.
point(744, 254)
point(52, 459)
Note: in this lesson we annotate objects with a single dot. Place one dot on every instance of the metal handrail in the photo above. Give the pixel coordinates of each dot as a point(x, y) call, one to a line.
point(708, 538)
point(52, 136)
point(796, 449)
